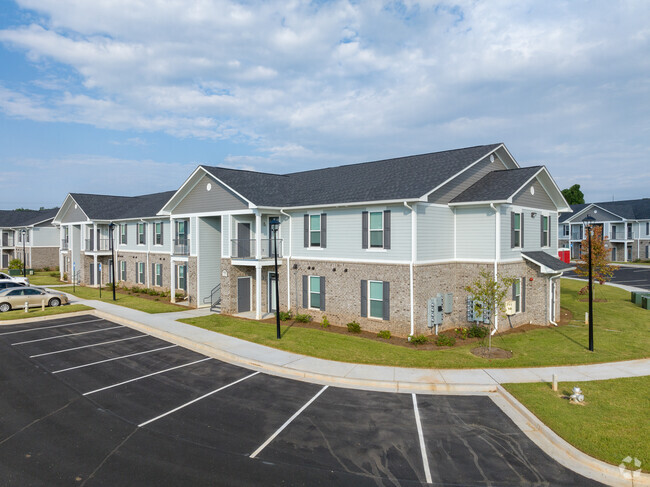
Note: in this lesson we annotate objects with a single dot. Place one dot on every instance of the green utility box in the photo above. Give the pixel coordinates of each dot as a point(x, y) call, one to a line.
point(19, 272)
point(645, 302)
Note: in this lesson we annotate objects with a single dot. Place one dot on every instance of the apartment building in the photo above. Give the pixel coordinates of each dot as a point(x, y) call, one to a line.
point(28, 235)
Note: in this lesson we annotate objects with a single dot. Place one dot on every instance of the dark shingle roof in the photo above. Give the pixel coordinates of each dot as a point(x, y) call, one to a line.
point(497, 185)
point(23, 218)
point(575, 208)
point(540, 257)
point(390, 179)
point(628, 209)
point(105, 207)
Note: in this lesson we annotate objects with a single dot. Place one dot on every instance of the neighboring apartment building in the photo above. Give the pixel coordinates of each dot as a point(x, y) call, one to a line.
point(141, 239)
point(41, 242)
point(626, 224)
point(371, 242)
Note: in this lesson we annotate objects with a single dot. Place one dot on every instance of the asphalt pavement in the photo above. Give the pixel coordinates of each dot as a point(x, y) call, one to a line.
point(89, 402)
point(637, 277)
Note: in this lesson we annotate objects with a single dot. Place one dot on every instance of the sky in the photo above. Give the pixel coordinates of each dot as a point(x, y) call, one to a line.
point(127, 97)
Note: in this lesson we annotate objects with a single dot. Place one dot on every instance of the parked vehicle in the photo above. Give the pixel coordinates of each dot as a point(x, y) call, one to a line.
point(7, 277)
point(6, 284)
point(15, 298)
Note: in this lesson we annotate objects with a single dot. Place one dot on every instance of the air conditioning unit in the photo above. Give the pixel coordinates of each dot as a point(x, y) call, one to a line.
point(511, 308)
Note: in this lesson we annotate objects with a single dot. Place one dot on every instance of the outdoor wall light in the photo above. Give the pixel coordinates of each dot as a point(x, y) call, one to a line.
point(533, 214)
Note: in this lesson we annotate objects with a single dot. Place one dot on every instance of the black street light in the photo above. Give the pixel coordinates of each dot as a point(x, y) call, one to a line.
point(274, 224)
point(588, 222)
point(24, 253)
point(111, 230)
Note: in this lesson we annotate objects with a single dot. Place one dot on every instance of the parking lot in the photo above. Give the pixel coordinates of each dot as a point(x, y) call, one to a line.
point(90, 402)
point(626, 276)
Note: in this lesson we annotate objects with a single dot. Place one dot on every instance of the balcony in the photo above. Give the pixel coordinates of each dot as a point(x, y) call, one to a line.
point(103, 245)
point(181, 246)
point(245, 248)
point(7, 240)
point(65, 245)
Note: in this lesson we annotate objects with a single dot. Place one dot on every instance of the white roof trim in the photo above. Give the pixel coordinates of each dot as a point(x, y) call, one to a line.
point(588, 207)
point(61, 212)
point(544, 269)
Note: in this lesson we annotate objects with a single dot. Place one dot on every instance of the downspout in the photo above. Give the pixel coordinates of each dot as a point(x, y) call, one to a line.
point(497, 243)
point(413, 252)
point(550, 298)
point(288, 260)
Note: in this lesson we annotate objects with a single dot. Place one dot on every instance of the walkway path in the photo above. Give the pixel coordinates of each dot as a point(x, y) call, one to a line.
point(294, 365)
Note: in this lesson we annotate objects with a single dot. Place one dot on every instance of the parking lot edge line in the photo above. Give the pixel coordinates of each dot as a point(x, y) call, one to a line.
point(145, 376)
point(196, 400)
point(287, 423)
point(114, 358)
point(68, 335)
point(87, 346)
point(425, 460)
point(49, 327)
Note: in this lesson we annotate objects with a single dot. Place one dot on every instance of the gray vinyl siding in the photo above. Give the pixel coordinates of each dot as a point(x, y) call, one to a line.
point(200, 200)
point(540, 199)
point(75, 244)
point(45, 237)
point(459, 184)
point(132, 236)
point(344, 234)
point(532, 232)
point(73, 215)
point(475, 233)
point(225, 229)
point(599, 215)
point(210, 256)
point(435, 232)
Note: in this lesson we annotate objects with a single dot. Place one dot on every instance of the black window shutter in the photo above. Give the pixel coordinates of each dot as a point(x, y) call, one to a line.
point(305, 291)
point(387, 229)
point(523, 294)
point(386, 303)
point(364, 230)
point(364, 298)
point(161, 232)
point(306, 230)
point(322, 293)
point(323, 230)
point(152, 281)
point(514, 290)
point(512, 230)
point(521, 225)
point(541, 231)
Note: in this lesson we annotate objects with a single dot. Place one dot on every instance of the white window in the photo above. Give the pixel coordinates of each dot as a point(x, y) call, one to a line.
point(158, 275)
point(141, 234)
point(314, 292)
point(122, 270)
point(314, 230)
point(141, 273)
point(516, 295)
point(376, 229)
point(565, 230)
point(546, 240)
point(158, 233)
point(516, 230)
point(376, 299)
point(123, 233)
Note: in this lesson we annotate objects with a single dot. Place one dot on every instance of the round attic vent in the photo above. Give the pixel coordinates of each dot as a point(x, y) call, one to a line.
point(491, 157)
point(76, 206)
point(209, 186)
point(532, 190)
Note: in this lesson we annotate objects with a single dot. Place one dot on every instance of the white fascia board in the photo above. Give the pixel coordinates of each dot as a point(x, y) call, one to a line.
point(513, 160)
point(343, 205)
point(213, 213)
point(65, 207)
point(135, 218)
point(544, 269)
point(557, 192)
point(480, 203)
point(169, 206)
point(590, 206)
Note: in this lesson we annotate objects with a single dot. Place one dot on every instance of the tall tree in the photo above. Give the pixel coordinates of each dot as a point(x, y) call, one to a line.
point(601, 269)
point(573, 195)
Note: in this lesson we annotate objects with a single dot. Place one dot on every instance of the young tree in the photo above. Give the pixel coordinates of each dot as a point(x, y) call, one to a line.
point(573, 195)
point(491, 293)
point(601, 270)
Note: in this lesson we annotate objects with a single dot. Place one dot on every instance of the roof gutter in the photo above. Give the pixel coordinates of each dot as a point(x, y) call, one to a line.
point(414, 249)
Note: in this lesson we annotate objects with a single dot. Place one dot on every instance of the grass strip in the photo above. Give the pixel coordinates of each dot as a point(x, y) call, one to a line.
point(20, 314)
point(128, 301)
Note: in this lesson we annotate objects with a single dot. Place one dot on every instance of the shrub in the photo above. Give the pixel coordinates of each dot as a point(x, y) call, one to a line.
point(354, 327)
point(477, 331)
point(419, 340)
point(54, 274)
point(303, 318)
point(286, 315)
point(46, 269)
point(325, 323)
point(462, 332)
point(65, 276)
point(385, 334)
point(15, 264)
point(445, 341)
point(179, 295)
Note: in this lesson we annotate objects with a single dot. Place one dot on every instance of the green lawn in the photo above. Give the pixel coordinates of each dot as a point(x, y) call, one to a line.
point(36, 312)
point(621, 333)
point(612, 425)
point(44, 279)
point(133, 302)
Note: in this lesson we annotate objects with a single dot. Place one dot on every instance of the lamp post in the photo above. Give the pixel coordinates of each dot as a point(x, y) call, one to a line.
point(588, 221)
point(23, 232)
point(274, 224)
point(111, 230)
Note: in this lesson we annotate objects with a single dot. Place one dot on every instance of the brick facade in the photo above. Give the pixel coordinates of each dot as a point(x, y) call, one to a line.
point(44, 257)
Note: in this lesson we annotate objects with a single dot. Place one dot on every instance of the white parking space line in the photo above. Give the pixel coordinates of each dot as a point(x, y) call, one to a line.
point(287, 423)
point(68, 335)
point(196, 400)
point(87, 346)
point(49, 327)
point(145, 376)
point(425, 460)
point(627, 280)
point(114, 358)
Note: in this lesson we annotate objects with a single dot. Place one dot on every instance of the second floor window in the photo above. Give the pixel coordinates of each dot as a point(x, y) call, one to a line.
point(123, 233)
point(565, 230)
point(516, 228)
point(181, 230)
point(158, 236)
point(141, 234)
point(546, 240)
point(376, 229)
point(314, 230)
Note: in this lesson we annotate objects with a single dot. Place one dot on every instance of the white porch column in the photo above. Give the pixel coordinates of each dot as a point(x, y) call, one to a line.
point(258, 265)
point(95, 246)
point(95, 270)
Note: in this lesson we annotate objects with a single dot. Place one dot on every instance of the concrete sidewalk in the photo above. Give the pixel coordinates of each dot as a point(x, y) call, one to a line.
point(278, 362)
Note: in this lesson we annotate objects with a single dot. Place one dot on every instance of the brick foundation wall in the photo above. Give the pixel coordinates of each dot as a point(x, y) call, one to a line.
point(45, 257)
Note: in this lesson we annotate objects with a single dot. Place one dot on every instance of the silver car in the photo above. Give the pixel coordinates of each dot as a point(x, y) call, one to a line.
point(15, 298)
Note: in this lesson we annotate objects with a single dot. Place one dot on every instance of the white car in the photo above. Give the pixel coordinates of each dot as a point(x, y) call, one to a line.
point(20, 279)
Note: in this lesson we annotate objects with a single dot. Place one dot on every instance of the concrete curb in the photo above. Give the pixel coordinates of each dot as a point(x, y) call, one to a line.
point(47, 317)
point(559, 449)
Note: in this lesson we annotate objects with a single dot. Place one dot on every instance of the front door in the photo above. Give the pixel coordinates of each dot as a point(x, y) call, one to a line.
point(243, 294)
point(91, 279)
point(272, 294)
point(614, 254)
point(629, 253)
point(243, 240)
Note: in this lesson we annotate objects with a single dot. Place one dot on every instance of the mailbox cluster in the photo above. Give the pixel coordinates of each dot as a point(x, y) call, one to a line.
point(437, 307)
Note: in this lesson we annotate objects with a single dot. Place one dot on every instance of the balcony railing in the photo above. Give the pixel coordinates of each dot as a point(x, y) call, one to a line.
point(65, 245)
point(102, 244)
point(245, 248)
point(7, 240)
point(181, 246)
